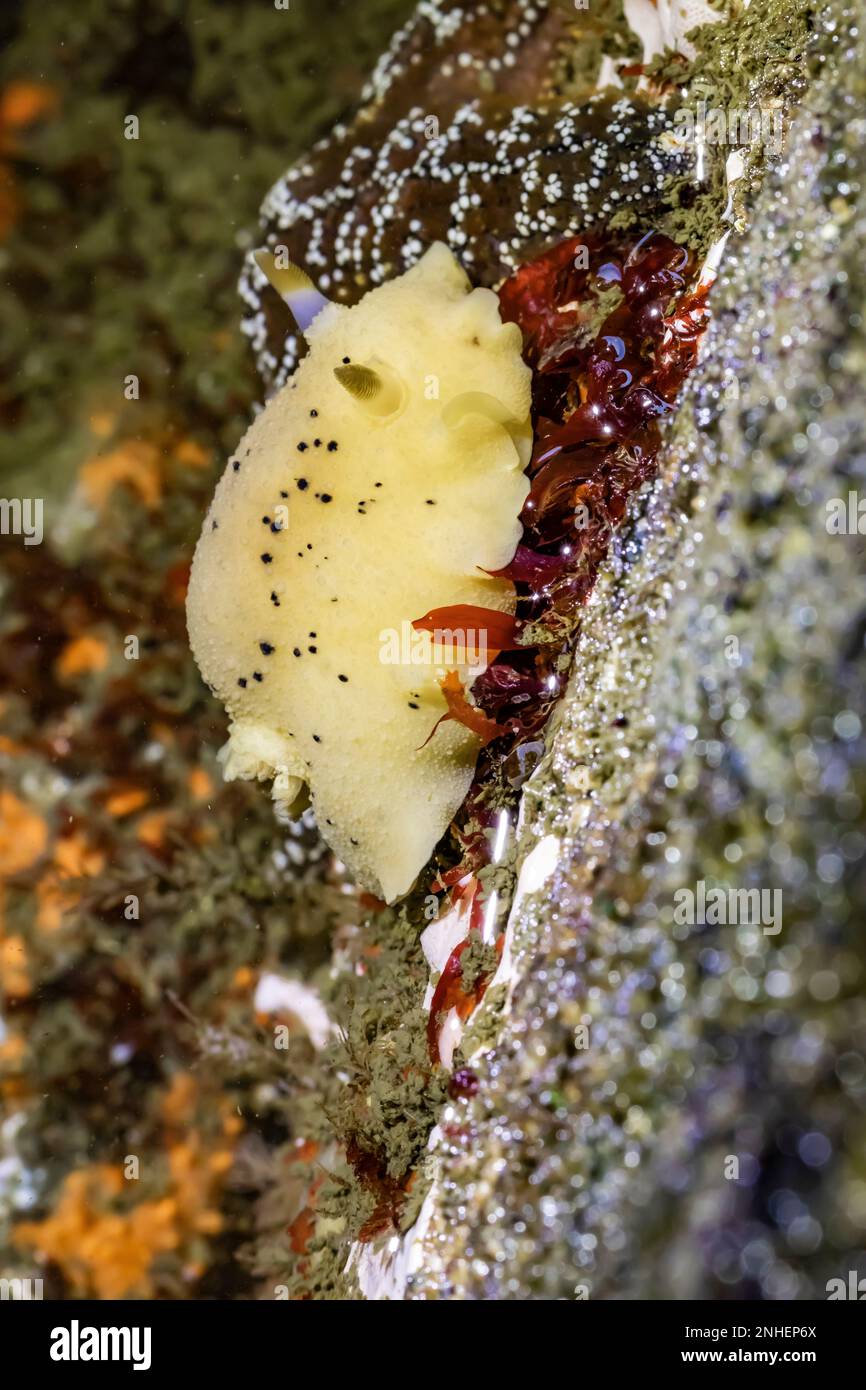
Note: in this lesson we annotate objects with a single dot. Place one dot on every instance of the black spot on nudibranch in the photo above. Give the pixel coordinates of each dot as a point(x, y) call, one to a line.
point(242, 682)
point(257, 676)
point(265, 648)
point(302, 484)
point(324, 497)
point(332, 445)
point(316, 738)
point(236, 465)
point(412, 705)
point(266, 559)
point(314, 413)
point(344, 679)
point(317, 443)
point(313, 650)
point(296, 651)
point(430, 502)
point(266, 521)
point(214, 525)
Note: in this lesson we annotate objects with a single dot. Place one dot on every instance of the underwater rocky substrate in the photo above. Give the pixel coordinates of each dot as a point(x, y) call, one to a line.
point(710, 734)
point(708, 740)
point(622, 1046)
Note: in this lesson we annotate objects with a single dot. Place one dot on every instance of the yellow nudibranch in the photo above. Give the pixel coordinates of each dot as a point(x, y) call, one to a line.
point(381, 483)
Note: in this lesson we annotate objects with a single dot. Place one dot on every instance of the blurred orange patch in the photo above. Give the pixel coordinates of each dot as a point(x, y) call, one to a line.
point(102, 1252)
point(244, 977)
point(57, 891)
point(80, 656)
point(23, 835)
point(21, 105)
point(192, 454)
point(107, 1251)
point(102, 423)
point(179, 1099)
point(14, 975)
point(134, 464)
point(12, 1050)
point(200, 784)
point(151, 829)
point(123, 803)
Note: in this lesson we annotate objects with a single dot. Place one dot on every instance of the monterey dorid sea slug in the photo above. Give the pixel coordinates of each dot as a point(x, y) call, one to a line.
point(384, 482)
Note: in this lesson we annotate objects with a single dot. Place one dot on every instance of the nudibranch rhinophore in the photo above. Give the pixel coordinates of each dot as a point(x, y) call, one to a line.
point(384, 481)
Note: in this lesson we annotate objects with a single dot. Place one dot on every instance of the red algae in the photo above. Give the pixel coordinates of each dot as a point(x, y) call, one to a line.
point(598, 398)
point(460, 709)
point(451, 992)
point(611, 327)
